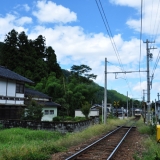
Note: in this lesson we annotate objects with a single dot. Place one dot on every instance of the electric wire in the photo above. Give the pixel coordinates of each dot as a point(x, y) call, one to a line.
point(156, 33)
point(112, 41)
point(151, 18)
point(140, 44)
point(153, 39)
point(155, 65)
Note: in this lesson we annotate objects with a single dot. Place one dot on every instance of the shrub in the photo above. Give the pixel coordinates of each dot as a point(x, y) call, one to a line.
point(57, 119)
point(79, 119)
point(68, 118)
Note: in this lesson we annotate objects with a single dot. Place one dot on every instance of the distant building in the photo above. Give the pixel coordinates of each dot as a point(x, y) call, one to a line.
point(97, 106)
point(93, 113)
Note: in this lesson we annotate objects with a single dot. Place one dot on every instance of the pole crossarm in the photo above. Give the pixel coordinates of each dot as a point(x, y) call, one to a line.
point(127, 72)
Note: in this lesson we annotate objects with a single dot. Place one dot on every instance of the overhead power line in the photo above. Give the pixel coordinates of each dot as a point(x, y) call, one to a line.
point(155, 66)
point(140, 43)
point(105, 21)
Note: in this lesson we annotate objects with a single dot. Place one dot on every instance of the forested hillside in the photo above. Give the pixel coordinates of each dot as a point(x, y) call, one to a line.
point(38, 62)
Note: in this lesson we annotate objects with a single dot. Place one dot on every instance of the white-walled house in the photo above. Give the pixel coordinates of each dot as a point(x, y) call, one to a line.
point(14, 95)
point(11, 93)
point(92, 113)
point(49, 108)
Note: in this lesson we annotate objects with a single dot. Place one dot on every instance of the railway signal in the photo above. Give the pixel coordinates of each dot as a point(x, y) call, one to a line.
point(116, 103)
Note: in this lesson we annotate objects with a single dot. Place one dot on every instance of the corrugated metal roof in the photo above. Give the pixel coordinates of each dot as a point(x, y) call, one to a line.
point(8, 74)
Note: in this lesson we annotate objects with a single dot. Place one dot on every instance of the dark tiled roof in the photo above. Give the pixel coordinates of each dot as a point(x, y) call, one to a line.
point(49, 104)
point(8, 74)
point(34, 93)
point(37, 94)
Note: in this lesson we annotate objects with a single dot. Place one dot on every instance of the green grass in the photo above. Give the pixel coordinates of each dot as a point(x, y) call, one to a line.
point(19, 144)
point(26, 144)
point(152, 151)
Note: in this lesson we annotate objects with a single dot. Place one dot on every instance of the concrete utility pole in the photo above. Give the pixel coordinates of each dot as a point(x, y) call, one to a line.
point(155, 111)
point(143, 95)
point(149, 56)
point(158, 96)
point(132, 107)
point(105, 92)
point(144, 104)
point(102, 111)
point(127, 104)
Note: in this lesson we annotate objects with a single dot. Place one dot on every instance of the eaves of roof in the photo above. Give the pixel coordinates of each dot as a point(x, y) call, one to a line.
point(35, 93)
point(8, 74)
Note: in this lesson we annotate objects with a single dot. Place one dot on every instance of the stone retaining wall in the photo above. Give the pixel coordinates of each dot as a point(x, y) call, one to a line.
point(62, 127)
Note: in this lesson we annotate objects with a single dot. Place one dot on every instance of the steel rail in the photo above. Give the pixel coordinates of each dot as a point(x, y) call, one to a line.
point(113, 152)
point(91, 145)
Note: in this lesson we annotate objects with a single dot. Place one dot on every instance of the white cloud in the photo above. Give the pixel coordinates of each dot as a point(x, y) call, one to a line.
point(150, 16)
point(140, 86)
point(23, 20)
point(26, 7)
point(6, 22)
point(11, 21)
point(53, 13)
point(73, 46)
point(130, 3)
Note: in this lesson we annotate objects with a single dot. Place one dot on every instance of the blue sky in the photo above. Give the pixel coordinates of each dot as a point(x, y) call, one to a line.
point(75, 30)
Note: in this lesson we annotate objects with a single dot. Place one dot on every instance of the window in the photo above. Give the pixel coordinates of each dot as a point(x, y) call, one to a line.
point(46, 112)
point(19, 88)
point(51, 111)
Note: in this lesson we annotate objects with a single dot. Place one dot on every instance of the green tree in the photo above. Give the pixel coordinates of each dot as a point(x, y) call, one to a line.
point(86, 109)
point(10, 50)
point(33, 111)
point(51, 60)
point(29, 58)
point(82, 73)
point(39, 45)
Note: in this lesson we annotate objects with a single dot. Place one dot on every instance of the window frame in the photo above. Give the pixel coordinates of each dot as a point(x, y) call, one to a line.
point(19, 88)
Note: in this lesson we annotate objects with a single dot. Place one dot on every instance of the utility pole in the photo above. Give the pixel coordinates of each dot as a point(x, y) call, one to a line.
point(144, 104)
point(158, 96)
point(149, 56)
point(127, 104)
point(132, 107)
point(143, 95)
point(102, 111)
point(105, 92)
point(155, 111)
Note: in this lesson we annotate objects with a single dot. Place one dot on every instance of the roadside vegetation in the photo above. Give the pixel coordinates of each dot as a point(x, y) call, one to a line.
point(152, 148)
point(26, 144)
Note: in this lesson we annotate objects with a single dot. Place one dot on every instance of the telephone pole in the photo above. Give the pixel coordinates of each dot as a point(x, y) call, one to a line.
point(105, 92)
point(149, 56)
point(158, 96)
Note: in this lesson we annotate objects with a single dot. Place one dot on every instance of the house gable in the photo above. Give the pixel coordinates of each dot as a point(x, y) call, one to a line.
point(11, 93)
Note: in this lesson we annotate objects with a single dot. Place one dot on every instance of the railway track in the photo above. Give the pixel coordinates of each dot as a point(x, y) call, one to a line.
point(104, 148)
